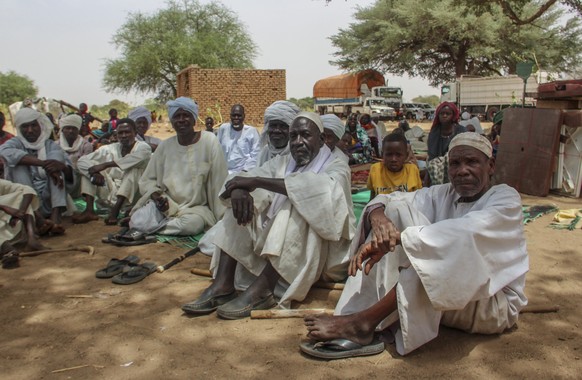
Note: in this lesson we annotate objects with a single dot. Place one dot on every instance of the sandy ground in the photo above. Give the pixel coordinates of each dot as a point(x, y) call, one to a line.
point(57, 315)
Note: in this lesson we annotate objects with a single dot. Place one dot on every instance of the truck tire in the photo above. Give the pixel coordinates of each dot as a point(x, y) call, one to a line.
point(491, 111)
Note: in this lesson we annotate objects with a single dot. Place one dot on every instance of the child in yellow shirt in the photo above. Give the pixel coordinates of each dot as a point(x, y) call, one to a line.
point(393, 174)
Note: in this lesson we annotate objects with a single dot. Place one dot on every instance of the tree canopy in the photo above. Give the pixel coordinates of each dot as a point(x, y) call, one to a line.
point(154, 48)
point(15, 87)
point(433, 100)
point(443, 39)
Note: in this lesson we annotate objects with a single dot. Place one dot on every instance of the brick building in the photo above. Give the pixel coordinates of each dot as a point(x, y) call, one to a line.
point(216, 90)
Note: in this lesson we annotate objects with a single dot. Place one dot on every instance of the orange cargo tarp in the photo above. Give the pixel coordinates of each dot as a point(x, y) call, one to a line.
point(347, 85)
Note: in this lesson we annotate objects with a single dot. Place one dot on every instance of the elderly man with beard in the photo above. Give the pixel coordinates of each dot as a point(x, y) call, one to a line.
point(289, 222)
point(32, 159)
point(112, 172)
point(143, 119)
point(240, 142)
point(451, 254)
point(275, 136)
point(184, 177)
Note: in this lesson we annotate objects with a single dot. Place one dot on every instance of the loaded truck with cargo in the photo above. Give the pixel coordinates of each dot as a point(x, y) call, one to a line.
point(364, 91)
point(484, 96)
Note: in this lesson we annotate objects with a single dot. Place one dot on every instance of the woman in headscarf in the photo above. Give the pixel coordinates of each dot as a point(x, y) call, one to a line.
point(34, 160)
point(444, 127)
point(275, 136)
point(361, 149)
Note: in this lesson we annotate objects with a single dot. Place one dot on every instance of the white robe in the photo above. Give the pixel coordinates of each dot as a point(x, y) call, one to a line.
point(241, 148)
point(462, 264)
point(190, 177)
point(122, 180)
point(307, 238)
point(11, 194)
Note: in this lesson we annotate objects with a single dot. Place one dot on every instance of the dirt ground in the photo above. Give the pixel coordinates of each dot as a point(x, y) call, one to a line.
point(56, 315)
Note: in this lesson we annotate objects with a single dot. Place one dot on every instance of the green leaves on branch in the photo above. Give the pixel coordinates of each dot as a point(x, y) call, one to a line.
point(154, 48)
point(443, 39)
point(15, 88)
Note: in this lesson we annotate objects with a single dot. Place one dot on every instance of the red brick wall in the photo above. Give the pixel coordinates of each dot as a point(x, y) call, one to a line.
point(218, 89)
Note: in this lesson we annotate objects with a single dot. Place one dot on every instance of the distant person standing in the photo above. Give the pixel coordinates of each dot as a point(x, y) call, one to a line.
point(113, 119)
point(4, 136)
point(86, 116)
point(209, 124)
point(240, 142)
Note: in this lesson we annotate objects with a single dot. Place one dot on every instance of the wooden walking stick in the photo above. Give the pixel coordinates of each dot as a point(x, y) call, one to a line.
point(81, 248)
point(192, 252)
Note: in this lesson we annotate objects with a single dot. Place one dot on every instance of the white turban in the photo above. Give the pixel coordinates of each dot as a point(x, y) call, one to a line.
point(184, 103)
point(313, 117)
point(72, 120)
point(333, 123)
point(281, 110)
point(465, 115)
point(138, 112)
point(473, 140)
point(26, 115)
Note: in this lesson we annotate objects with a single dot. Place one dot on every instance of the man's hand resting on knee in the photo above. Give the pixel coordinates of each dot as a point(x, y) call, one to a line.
point(242, 206)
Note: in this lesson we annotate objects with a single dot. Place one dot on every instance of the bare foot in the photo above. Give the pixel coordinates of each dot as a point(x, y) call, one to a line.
point(34, 246)
point(84, 217)
point(111, 221)
point(324, 327)
point(58, 229)
point(44, 226)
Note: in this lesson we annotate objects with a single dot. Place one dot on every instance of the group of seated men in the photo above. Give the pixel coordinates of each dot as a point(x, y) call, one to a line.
point(278, 216)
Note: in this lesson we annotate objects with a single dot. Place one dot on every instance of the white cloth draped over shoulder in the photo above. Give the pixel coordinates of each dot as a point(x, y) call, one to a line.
point(189, 176)
point(11, 195)
point(462, 264)
point(310, 232)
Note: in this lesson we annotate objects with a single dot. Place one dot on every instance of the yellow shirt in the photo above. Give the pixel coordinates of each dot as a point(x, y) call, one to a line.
point(383, 181)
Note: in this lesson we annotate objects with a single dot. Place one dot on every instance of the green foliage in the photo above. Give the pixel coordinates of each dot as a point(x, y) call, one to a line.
point(306, 104)
point(433, 100)
point(15, 88)
point(443, 39)
point(154, 48)
point(102, 112)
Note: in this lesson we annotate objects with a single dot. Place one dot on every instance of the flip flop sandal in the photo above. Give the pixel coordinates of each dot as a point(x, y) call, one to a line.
point(115, 266)
point(131, 243)
point(10, 260)
point(135, 274)
point(341, 349)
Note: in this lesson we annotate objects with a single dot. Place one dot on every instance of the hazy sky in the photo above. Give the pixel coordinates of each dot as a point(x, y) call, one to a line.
point(62, 44)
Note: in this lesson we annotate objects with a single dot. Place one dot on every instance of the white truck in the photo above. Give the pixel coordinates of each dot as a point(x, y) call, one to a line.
point(363, 91)
point(484, 96)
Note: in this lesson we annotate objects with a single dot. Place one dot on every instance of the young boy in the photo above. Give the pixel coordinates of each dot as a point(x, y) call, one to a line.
point(393, 174)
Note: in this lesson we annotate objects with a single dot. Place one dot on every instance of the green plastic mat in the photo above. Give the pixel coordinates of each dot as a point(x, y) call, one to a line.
point(186, 242)
point(360, 200)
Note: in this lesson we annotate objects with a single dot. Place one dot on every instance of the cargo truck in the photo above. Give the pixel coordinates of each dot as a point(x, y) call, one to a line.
point(363, 91)
point(484, 96)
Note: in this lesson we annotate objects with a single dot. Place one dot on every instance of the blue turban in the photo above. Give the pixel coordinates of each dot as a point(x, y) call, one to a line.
point(184, 103)
point(138, 112)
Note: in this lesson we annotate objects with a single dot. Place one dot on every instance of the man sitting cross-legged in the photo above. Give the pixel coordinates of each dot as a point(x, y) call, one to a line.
point(184, 176)
point(290, 222)
point(451, 254)
point(112, 172)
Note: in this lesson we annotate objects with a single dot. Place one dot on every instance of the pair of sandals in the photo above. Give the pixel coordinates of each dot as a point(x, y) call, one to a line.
point(126, 271)
point(129, 237)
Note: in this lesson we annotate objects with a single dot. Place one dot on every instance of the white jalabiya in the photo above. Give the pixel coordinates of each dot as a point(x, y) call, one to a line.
point(190, 177)
point(309, 235)
point(462, 264)
point(11, 195)
point(122, 180)
point(241, 148)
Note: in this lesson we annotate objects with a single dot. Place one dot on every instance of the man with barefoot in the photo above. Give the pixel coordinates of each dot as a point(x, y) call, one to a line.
point(451, 254)
point(114, 170)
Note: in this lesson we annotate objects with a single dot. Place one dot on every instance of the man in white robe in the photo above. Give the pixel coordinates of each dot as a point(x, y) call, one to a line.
point(240, 142)
point(143, 119)
point(451, 254)
point(75, 147)
point(32, 159)
point(184, 176)
point(112, 173)
point(275, 136)
point(290, 219)
point(334, 129)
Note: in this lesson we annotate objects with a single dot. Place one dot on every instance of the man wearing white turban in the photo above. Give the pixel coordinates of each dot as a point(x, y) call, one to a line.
point(240, 142)
point(71, 141)
point(143, 119)
point(334, 129)
point(112, 173)
point(32, 159)
point(275, 136)
point(451, 254)
point(289, 223)
point(184, 176)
